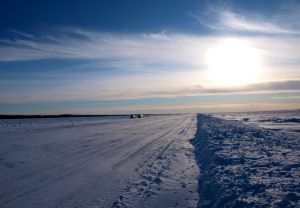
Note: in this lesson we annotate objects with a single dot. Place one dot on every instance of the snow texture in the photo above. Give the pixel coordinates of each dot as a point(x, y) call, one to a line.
point(245, 165)
point(155, 161)
point(97, 162)
point(288, 120)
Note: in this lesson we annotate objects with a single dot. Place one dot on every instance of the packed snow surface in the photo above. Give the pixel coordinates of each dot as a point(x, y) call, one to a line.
point(98, 162)
point(155, 161)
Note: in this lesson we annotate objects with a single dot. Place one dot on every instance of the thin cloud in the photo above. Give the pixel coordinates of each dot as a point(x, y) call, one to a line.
point(92, 94)
point(242, 23)
point(183, 49)
point(159, 54)
point(84, 44)
point(227, 21)
point(265, 87)
point(287, 98)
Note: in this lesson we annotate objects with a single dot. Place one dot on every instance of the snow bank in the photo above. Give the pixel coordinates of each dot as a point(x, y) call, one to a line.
point(245, 165)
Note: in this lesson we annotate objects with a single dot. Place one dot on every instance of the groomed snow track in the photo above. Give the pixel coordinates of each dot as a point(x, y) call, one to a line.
point(147, 162)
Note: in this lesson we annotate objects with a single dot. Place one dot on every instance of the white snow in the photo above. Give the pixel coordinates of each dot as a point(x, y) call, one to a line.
point(98, 162)
point(243, 165)
point(288, 120)
point(155, 161)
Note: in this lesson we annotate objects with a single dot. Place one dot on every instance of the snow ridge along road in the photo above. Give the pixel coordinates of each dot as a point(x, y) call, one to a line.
point(245, 165)
point(146, 162)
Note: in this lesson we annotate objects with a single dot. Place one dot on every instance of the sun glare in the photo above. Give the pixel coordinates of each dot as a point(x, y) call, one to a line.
point(233, 63)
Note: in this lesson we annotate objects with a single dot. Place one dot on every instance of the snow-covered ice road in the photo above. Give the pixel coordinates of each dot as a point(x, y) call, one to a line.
point(146, 162)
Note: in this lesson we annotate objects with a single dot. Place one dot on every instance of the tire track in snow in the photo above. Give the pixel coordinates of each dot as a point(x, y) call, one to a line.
point(77, 153)
point(88, 166)
point(148, 181)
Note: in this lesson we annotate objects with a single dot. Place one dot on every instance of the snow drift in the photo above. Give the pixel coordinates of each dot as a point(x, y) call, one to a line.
point(245, 165)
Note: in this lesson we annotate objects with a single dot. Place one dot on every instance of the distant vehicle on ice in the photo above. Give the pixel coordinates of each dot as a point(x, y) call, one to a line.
point(246, 119)
point(136, 116)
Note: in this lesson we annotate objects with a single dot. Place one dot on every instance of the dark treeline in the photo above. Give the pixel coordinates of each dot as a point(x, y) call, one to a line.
point(67, 116)
point(52, 116)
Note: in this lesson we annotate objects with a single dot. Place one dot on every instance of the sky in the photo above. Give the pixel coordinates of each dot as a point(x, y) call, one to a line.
point(149, 56)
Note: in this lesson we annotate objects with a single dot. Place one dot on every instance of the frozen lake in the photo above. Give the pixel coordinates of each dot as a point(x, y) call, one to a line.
point(184, 160)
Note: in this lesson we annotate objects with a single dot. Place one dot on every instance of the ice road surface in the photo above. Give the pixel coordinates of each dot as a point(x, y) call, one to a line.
point(96, 162)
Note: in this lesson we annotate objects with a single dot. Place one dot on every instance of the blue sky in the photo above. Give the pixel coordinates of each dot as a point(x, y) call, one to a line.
point(148, 56)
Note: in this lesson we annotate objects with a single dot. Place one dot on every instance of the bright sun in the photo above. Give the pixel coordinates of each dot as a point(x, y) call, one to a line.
point(233, 63)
